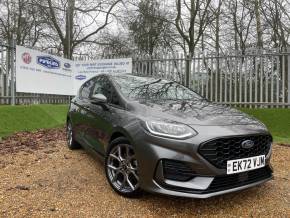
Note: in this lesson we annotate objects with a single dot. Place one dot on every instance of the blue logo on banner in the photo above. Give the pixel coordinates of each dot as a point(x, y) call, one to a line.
point(67, 65)
point(48, 62)
point(80, 77)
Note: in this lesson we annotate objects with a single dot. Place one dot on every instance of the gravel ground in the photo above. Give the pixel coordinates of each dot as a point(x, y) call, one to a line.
point(40, 177)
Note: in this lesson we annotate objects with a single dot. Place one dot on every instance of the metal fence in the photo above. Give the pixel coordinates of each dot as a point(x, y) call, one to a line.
point(258, 78)
point(8, 94)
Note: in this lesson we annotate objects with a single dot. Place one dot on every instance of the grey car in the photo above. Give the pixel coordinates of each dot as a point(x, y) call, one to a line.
point(159, 136)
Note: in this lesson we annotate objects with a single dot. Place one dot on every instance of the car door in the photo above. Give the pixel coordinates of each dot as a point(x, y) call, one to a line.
point(101, 117)
point(80, 118)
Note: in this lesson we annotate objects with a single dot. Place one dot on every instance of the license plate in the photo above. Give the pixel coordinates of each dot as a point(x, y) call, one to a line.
point(245, 164)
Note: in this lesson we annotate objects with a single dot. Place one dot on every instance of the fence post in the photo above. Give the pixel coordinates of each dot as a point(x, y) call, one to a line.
point(2, 82)
point(187, 70)
point(288, 77)
point(12, 72)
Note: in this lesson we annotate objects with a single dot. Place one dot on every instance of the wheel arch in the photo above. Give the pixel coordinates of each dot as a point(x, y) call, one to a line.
point(120, 132)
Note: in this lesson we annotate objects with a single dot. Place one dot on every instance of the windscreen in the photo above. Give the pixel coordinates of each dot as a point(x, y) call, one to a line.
point(135, 87)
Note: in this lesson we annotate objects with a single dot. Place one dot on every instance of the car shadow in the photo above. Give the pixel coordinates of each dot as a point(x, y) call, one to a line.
point(216, 204)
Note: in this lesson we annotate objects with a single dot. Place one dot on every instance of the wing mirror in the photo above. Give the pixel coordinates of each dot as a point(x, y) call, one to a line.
point(99, 98)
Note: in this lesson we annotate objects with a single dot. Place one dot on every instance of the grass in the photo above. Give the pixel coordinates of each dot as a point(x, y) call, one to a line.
point(29, 118)
point(277, 121)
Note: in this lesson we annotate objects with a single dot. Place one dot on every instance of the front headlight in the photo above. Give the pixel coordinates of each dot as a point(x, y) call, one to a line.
point(170, 130)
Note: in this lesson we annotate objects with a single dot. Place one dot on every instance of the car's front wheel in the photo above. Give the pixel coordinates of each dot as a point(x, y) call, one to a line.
point(121, 167)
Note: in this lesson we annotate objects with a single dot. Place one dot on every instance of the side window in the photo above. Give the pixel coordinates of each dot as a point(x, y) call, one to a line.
point(115, 98)
point(98, 88)
point(86, 89)
point(103, 86)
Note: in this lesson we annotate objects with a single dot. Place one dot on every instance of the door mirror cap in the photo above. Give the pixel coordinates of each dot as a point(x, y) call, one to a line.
point(99, 98)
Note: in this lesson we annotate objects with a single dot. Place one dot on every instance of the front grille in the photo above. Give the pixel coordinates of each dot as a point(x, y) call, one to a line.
point(219, 151)
point(177, 170)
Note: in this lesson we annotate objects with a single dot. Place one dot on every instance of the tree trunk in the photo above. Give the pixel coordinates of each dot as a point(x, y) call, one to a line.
point(68, 44)
point(258, 24)
point(217, 34)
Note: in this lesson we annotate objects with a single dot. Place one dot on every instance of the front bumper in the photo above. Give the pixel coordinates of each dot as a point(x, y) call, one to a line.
point(151, 150)
point(159, 189)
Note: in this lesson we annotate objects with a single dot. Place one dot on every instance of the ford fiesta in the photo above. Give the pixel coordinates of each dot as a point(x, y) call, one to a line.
point(159, 136)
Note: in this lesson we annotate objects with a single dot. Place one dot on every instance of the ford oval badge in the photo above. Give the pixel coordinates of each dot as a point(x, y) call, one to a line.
point(80, 77)
point(248, 144)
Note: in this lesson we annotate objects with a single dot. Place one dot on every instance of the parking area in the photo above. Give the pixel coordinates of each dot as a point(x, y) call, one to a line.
point(40, 177)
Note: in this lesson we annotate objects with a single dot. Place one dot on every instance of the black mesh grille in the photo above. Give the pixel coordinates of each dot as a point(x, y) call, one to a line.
point(225, 182)
point(177, 170)
point(232, 181)
point(219, 151)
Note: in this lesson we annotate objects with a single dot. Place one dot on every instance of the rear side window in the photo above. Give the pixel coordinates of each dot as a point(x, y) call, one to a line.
point(86, 89)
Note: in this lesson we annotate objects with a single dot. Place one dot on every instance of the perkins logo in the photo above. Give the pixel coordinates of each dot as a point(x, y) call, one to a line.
point(48, 62)
point(67, 65)
point(80, 77)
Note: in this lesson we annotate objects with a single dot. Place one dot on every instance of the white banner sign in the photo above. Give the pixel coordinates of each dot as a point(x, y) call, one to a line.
point(38, 72)
point(86, 70)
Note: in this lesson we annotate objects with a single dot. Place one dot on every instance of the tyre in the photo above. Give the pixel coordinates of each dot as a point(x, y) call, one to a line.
point(71, 142)
point(121, 168)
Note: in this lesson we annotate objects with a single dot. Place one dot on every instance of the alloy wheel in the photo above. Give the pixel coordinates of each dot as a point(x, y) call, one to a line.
point(122, 168)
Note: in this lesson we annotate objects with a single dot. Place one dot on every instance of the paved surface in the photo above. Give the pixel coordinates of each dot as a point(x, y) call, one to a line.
point(40, 177)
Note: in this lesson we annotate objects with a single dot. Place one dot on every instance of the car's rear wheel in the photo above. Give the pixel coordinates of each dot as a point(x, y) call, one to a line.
point(121, 167)
point(71, 142)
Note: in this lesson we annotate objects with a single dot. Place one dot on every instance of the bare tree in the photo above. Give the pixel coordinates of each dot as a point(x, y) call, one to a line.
point(277, 14)
point(149, 27)
point(145, 26)
point(77, 21)
point(20, 20)
point(113, 45)
point(192, 19)
point(242, 19)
